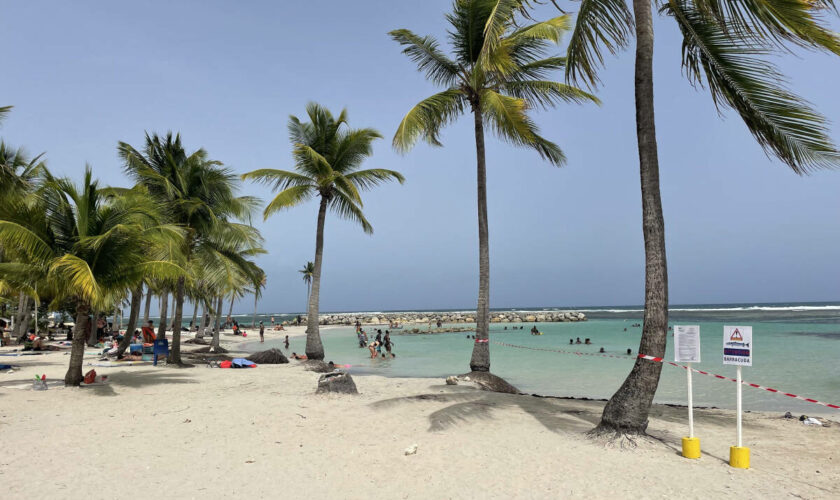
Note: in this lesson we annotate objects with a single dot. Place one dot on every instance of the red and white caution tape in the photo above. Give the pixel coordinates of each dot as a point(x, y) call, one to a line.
point(662, 360)
point(769, 389)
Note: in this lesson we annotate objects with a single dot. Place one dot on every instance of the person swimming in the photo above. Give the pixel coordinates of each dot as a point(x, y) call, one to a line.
point(578, 341)
point(571, 341)
point(602, 350)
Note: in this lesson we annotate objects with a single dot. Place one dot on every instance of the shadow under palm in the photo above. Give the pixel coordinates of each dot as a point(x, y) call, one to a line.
point(465, 406)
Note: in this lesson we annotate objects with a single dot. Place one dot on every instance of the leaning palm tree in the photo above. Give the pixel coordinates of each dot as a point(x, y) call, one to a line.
point(327, 157)
point(196, 193)
point(498, 77)
point(88, 246)
point(725, 46)
point(307, 272)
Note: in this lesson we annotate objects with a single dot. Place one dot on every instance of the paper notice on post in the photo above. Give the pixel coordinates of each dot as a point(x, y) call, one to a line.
point(687, 343)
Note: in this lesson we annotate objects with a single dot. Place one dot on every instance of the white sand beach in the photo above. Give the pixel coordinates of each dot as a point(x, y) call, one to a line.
point(263, 433)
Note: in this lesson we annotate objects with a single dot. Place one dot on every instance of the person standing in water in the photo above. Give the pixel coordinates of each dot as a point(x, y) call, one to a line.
point(262, 332)
point(287, 342)
point(388, 343)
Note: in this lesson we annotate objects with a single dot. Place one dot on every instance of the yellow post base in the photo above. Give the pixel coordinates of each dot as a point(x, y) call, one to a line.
point(739, 457)
point(691, 447)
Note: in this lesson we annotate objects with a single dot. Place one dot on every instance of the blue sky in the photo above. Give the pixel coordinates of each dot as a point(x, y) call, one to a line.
point(740, 227)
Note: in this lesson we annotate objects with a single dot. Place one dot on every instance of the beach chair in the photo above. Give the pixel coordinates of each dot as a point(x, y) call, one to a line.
point(161, 347)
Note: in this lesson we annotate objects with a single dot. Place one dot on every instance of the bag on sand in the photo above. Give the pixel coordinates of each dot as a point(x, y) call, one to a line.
point(90, 377)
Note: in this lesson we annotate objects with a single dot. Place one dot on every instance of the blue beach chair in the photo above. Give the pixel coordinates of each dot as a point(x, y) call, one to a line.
point(161, 347)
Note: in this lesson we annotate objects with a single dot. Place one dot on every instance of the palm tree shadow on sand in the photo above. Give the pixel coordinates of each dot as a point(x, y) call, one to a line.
point(463, 407)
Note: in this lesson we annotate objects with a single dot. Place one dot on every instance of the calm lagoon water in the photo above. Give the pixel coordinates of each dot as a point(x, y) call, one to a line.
point(796, 350)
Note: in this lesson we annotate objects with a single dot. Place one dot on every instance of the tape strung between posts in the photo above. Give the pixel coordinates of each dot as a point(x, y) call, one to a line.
point(482, 341)
point(777, 391)
point(662, 360)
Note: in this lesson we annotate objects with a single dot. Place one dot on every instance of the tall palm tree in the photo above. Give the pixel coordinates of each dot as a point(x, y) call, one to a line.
point(327, 157)
point(196, 193)
point(498, 77)
point(307, 272)
point(724, 49)
point(85, 246)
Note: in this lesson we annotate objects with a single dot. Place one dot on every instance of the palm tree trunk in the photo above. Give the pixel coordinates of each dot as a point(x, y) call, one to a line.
point(254, 323)
point(230, 311)
point(136, 300)
point(314, 347)
point(195, 315)
point(175, 347)
point(148, 306)
point(480, 360)
point(77, 351)
point(164, 310)
point(308, 294)
point(217, 323)
point(93, 334)
point(627, 411)
point(22, 314)
point(205, 320)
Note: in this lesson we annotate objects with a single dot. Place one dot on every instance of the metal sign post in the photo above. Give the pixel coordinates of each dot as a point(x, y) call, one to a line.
point(687, 350)
point(738, 350)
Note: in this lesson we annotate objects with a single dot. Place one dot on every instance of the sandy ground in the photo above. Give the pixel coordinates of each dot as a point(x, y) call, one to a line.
point(263, 433)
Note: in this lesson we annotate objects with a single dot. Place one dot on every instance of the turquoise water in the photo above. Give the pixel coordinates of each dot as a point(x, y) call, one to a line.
point(796, 353)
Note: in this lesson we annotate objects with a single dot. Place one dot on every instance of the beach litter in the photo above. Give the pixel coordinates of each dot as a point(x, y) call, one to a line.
point(411, 450)
point(806, 420)
point(453, 380)
point(40, 383)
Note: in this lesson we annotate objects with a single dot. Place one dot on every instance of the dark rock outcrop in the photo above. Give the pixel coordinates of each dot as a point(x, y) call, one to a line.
point(338, 382)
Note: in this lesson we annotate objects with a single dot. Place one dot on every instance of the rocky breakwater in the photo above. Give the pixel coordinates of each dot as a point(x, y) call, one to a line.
point(425, 318)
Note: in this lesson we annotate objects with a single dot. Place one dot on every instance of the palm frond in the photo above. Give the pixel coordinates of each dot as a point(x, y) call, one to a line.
point(4, 112)
point(547, 94)
point(606, 23)
point(347, 208)
point(288, 198)
point(429, 59)
point(367, 179)
point(782, 123)
point(498, 22)
point(427, 117)
point(508, 118)
point(77, 274)
point(277, 179)
point(781, 21)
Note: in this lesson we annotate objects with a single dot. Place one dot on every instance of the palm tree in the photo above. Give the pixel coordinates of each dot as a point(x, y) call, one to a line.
point(19, 175)
point(83, 246)
point(327, 157)
point(498, 77)
point(307, 272)
point(197, 194)
point(723, 48)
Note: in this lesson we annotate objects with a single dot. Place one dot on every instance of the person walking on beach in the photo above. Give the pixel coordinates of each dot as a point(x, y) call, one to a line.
point(262, 332)
point(272, 321)
point(287, 342)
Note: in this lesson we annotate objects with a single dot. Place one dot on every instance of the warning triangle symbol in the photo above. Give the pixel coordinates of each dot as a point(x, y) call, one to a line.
point(736, 336)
